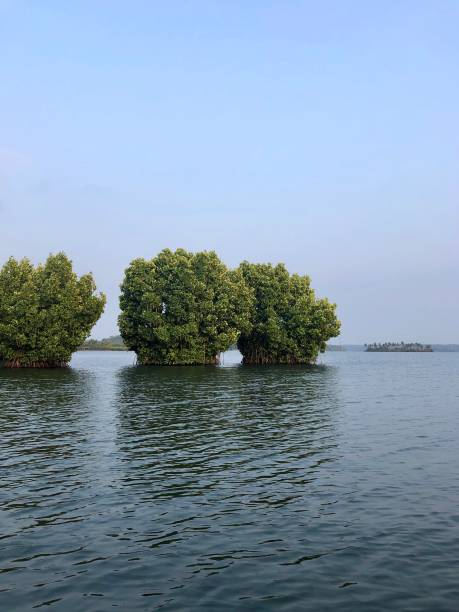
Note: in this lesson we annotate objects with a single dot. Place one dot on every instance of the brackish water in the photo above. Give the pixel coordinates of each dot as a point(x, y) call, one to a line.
point(333, 487)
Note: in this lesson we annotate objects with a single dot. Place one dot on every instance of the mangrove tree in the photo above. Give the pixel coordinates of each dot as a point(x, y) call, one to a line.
point(46, 312)
point(182, 308)
point(289, 324)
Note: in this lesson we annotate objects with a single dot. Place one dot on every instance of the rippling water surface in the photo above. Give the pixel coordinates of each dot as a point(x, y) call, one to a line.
point(334, 487)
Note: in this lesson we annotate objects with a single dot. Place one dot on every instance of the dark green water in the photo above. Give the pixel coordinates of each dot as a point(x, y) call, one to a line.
point(326, 488)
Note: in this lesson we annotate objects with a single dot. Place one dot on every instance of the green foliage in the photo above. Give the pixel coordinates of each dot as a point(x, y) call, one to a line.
point(182, 308)
point(46, 312)
point(289, 324)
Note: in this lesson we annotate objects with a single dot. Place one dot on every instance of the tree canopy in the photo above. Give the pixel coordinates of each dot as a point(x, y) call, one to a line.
point(182, 308)
point(289, 324)
point(46, 312)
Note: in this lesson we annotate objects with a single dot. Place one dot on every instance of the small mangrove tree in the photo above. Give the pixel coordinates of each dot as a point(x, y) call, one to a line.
point(182, 308)
point(289, 324)
point(46, 312)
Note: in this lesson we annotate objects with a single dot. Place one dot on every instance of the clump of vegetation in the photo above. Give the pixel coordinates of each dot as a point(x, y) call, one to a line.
point(46, 312)
point(288, 324)
point(182, 308)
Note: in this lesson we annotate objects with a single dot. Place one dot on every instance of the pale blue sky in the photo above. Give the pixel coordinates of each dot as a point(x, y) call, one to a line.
point(321, 134)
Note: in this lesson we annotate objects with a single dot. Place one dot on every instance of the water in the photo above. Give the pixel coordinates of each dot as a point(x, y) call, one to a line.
point(334, 487)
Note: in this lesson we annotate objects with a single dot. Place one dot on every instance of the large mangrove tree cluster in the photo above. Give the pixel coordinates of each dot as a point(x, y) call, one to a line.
point(46, 312)
point(187, 308)
point(182, 308)
point(288, 323)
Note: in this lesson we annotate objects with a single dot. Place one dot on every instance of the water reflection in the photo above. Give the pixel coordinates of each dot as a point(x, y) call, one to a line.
point(41, 413)
point(229, 488)
point(223, 461)
point(43, 417)
point(189, 431)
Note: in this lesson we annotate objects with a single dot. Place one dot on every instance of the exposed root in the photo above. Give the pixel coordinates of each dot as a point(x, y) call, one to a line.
point(264, 359)
point(17, 363)
point(211, 361)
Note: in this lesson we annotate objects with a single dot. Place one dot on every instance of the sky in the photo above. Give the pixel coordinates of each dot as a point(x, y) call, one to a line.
point(321, 134)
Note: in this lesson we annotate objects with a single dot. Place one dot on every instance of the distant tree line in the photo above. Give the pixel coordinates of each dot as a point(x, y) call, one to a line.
point(112, 343)
point(179, 308)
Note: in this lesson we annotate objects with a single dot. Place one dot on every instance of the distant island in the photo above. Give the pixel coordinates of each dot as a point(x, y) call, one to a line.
point(112, 343)
point(398, 347)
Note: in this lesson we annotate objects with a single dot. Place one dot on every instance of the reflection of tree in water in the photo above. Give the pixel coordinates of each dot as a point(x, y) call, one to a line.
point(43, 431)
point(258, 433)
